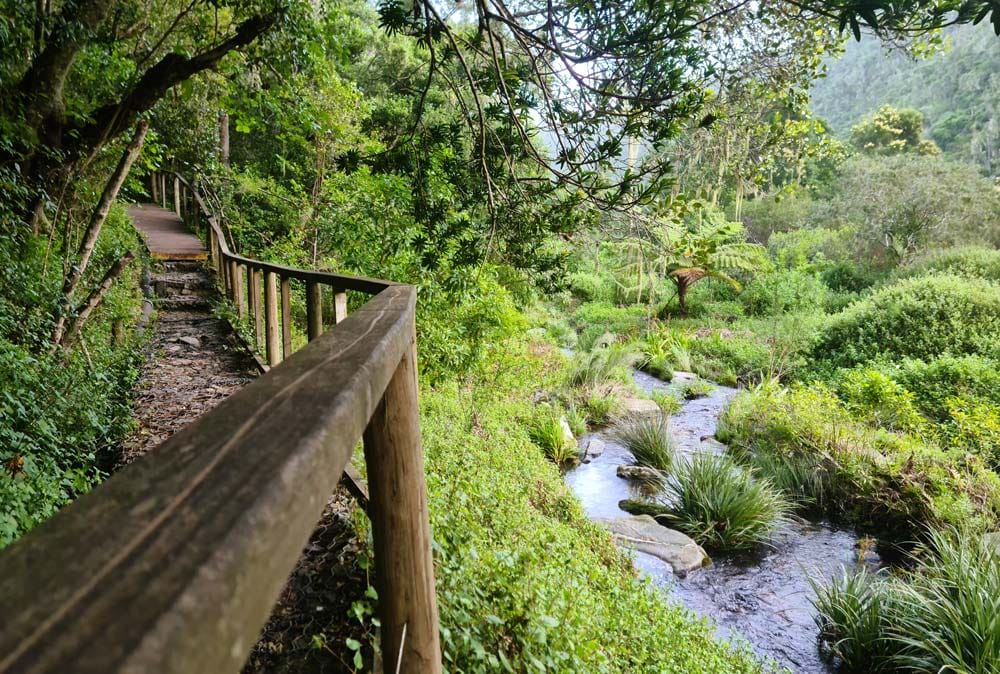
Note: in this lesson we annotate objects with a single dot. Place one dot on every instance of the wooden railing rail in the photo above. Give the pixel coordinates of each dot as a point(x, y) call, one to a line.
point(174, 563)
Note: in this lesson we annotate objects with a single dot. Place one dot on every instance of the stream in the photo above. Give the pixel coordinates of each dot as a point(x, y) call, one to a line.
point(762, 598)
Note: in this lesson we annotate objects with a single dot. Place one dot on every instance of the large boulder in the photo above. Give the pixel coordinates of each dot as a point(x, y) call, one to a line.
point(645, 534)
point(640, 407)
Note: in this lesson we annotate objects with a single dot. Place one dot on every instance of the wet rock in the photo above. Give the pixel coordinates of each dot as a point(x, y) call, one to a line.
point(593, 448)
point(638, 473)
point(640, 407)
point(190, 341)
point(644, 534)
point(711, 445)
point(680, 376)
point(567, 431)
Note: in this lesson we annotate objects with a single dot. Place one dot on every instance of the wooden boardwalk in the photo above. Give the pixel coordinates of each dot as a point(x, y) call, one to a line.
point(166, 235)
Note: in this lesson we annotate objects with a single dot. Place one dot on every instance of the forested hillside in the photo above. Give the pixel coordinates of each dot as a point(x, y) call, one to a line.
point(957, 89)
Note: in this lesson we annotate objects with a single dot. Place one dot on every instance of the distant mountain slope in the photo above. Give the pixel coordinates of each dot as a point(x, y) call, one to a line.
point(958, 92)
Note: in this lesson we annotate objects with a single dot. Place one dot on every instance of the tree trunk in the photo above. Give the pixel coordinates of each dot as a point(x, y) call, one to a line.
point(94, 300)
point(682, 288)
point(224, 138)
point(97, 219)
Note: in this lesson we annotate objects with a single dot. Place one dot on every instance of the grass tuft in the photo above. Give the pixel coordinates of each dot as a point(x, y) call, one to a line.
point(649, 440)
point(723, 506)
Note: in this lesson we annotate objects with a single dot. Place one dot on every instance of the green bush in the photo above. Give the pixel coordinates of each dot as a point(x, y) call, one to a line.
point(783, 291)
point(699, 388)
point(934, 382)
point(971, 261)
point(649, 440)
point(601, 408)
point(592, 287)
point(888, 483)
point(804, 480)
point(722, 506)
point(62, 416)
point(874, 398)
point(923, 318)
point(730, 360)
point(525, 582)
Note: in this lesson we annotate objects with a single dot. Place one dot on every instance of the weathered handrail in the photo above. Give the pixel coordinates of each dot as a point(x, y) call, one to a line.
point(174, 563)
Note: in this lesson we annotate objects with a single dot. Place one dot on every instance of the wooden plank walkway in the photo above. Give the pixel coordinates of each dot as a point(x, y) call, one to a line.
point(166, 235)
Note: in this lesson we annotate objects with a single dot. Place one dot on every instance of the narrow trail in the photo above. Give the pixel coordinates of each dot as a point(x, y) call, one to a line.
point(193, 362)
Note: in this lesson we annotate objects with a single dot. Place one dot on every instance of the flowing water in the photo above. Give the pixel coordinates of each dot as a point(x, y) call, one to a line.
point(763, 599)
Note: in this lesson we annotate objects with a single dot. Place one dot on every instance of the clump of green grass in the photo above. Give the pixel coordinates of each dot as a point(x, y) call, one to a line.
point(851, 616)
point(699, 388)
point(601, 408)
point(723, 506)
point(606, 362)
point(668, 402)
point(546, 431)
point(941, 616)
point(649, 440)
point(577, 419)
point(805, 480)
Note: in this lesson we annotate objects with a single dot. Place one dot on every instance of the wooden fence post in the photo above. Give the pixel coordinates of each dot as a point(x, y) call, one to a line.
point(339, 305)
point(163, 189)
point(258, 323)
point(314, 309)
point(404, 568)
point(236, 270)
point(286, 317)
point(177, 196)
point(154, 193)
point(271, 318)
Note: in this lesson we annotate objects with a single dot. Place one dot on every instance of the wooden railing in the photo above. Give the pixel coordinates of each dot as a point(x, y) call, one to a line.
point(174, 563)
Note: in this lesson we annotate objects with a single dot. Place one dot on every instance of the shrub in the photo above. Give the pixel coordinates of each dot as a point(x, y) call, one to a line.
point(971, 261)
point(731, 360)
point(888, 483)
point(975, 428)
point(649, 440)
point(667, 402)
point(878, 400)
point(919, 318)
point(601, 408)
point(722, 506)
point(591, 287)
point(783, 291)
point(934, 382)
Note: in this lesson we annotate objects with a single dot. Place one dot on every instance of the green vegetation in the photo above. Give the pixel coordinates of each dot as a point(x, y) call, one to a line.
point(938, 616)
point(649, 440)
point(692, 215)
point(722, 506)
point(546, 430)
point(523, 577)
point(888, 483)
point(923, 317)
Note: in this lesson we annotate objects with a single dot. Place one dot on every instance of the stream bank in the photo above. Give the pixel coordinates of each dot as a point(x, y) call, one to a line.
point(763, 598)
